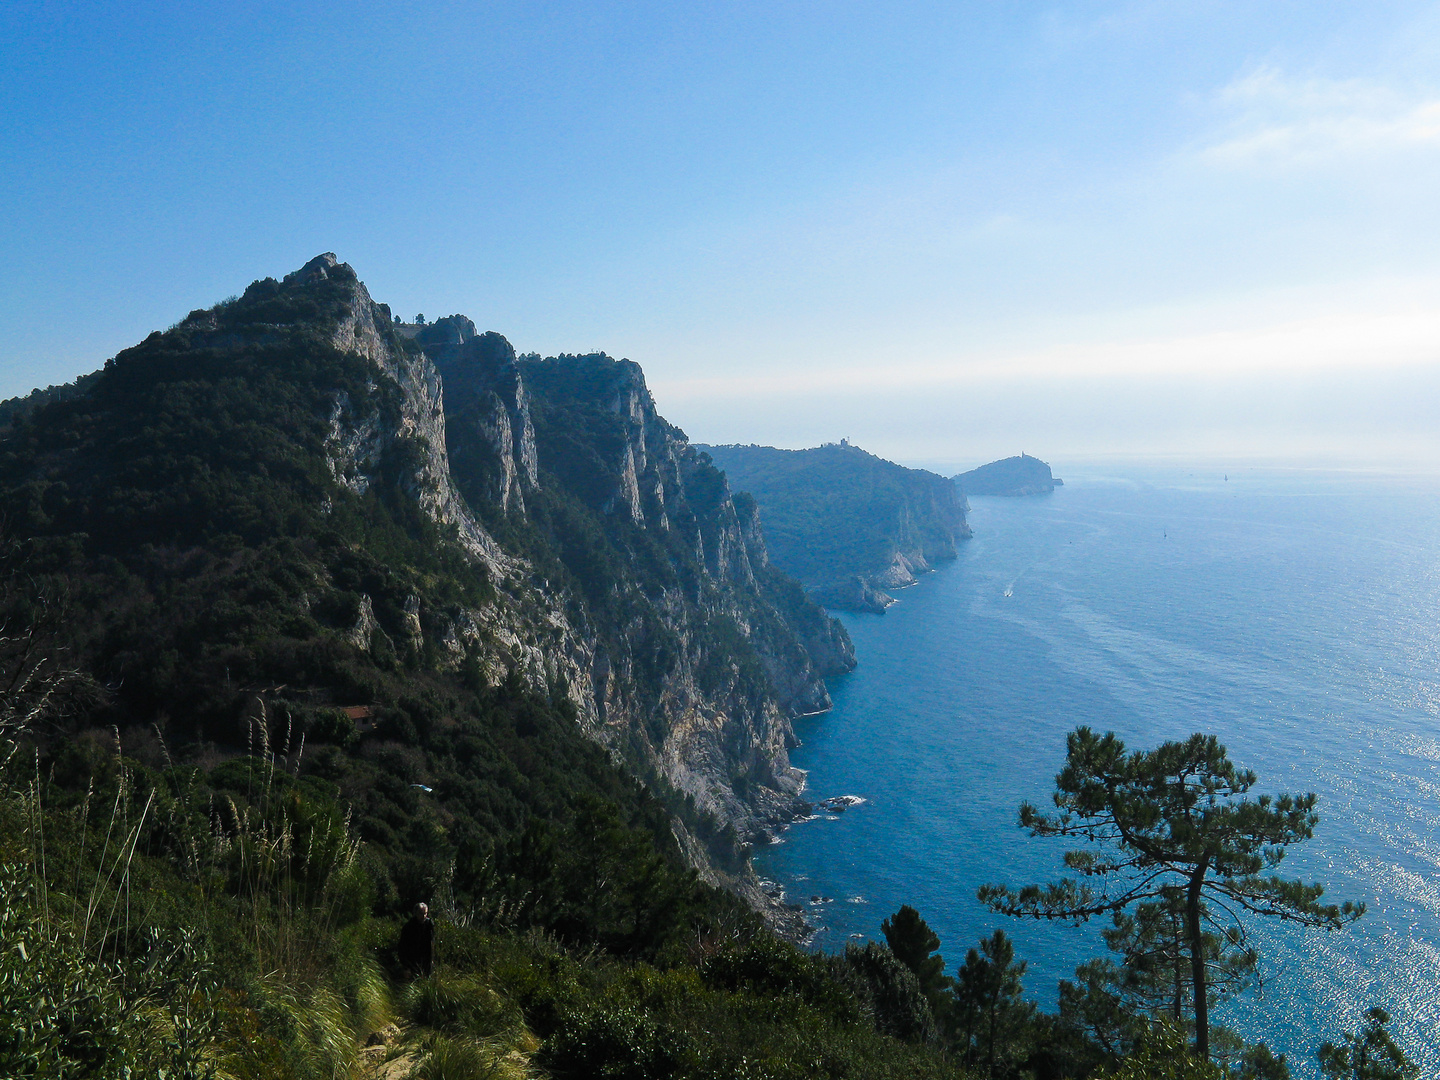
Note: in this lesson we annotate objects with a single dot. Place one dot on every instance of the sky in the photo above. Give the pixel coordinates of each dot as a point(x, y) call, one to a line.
point(946, 231)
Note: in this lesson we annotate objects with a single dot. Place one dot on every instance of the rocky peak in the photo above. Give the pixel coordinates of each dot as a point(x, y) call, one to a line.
point(486, 397)
point(317, 269)
point(362, 437)
point(637, 588)
point(451, 330)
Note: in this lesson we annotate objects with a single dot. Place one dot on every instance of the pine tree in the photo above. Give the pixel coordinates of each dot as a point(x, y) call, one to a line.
point(990, 1010)
point(914, 945)
point(1151, 941)
point(1369, 1055)
point(1178, 817)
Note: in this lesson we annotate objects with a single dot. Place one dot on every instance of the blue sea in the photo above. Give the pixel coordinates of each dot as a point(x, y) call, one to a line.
point(1294, 614)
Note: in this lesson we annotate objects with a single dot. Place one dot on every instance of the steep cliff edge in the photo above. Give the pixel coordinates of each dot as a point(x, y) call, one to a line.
point(699, 651)
point(848, 525)
point(1016, 476)
point(290, 502)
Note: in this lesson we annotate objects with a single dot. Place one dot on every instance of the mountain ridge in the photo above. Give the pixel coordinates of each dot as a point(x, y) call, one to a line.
point(475, 516)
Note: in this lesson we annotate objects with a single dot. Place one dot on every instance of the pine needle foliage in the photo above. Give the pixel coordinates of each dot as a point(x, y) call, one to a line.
point(1176, 819)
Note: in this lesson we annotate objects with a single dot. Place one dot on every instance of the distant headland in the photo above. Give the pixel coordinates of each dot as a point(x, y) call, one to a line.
point(850, 526)
point(1022, 475)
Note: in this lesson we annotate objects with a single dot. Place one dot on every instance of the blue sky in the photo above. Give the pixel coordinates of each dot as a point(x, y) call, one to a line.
point(947, 231)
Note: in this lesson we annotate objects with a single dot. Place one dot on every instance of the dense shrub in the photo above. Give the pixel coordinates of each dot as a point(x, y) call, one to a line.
point(66, 1011)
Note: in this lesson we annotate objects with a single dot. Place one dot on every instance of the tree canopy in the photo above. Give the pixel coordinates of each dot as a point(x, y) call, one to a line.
point(990, 1011)
point(1369, 1055)
point(914, 944)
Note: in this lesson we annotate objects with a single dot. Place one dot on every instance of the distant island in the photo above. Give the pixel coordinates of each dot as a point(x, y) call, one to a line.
point(848, 525)
point(1022, 475)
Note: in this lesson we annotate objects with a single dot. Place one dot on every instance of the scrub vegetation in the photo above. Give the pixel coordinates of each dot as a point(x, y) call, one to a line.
point(175, 922)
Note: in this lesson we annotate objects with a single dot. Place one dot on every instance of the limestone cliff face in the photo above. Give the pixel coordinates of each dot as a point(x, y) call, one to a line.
point(926, 529)
point(362, 439)
point(487, 396)
point(697, 659)
point(628, 578)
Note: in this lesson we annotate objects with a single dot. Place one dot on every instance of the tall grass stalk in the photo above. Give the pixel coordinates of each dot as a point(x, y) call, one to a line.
point(286, 867)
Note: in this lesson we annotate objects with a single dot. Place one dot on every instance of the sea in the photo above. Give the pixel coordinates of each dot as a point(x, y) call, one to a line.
point(1295, 614)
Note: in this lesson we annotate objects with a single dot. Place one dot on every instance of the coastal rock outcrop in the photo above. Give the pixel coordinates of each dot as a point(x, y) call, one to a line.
point(675, 597)
point(682, 648)
point(651, 631)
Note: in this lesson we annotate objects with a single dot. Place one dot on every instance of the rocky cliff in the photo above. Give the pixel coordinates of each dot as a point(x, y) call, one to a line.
point(421, 500)
point(850, 526)
point(689, 649)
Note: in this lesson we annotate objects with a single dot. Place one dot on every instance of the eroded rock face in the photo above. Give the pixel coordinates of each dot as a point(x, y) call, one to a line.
point(704, 671)
point(855, 594)
point(361, 441)
point(488, 399)
point(679, 645)
point(366, 625)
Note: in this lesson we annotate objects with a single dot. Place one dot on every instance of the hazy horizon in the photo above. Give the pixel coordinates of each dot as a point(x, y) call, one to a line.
point(947, 232)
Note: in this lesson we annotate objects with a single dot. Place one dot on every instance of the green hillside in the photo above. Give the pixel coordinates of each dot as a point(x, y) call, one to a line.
point(847, 524)
point(1020, 475)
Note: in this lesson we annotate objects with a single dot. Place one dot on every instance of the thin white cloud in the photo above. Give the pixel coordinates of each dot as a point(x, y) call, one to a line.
point(1273, 120)
point(1354, 341)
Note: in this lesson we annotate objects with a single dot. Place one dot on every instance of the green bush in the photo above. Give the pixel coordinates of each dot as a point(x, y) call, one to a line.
point(615, 1041)
point(765, 965)
point(64, 1012)
point(889, 992)
point(461, 1004)
point(458, 1059)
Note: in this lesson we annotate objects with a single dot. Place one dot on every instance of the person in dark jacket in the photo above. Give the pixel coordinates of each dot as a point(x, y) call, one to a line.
point(417, 942)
